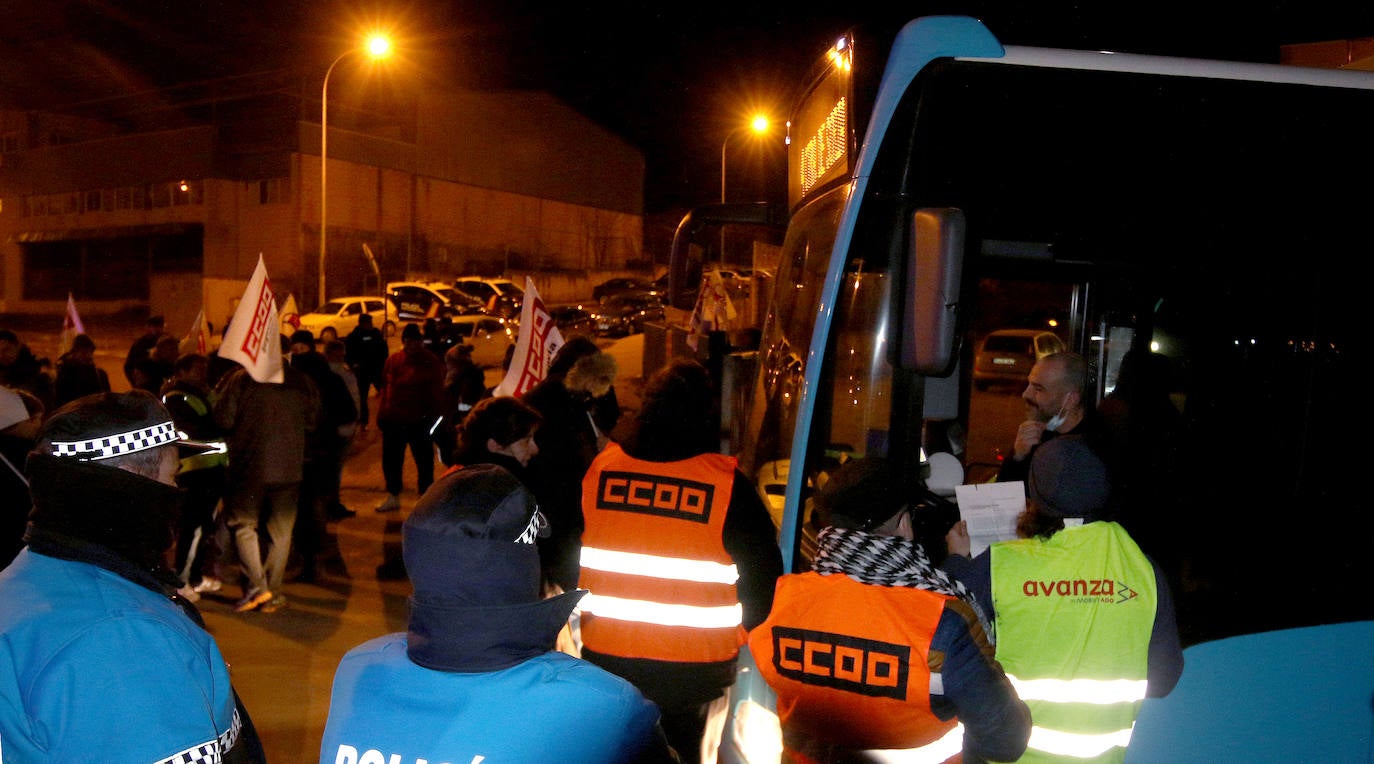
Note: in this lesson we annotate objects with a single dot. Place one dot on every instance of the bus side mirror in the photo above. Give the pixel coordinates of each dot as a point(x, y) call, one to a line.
point(935, 269)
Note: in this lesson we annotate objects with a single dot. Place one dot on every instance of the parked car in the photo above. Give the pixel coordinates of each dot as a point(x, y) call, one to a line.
point(572, 320)
point(338, 316)
point(508, 296)
point(418, 300)
point(625, 313)
point(622, 284)
point(489, 336)
point(1007, 355)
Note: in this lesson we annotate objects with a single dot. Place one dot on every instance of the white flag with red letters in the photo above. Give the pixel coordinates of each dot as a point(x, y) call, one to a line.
point(290, 315)
point(254, 334)
point(534, 351)
point(198, 339)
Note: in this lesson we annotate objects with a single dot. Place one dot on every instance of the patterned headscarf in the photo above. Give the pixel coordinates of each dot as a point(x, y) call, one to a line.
point(884, 560)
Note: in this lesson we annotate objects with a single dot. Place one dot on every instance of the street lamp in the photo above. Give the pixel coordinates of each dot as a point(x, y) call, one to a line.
point(759, 124)
point(377, 46)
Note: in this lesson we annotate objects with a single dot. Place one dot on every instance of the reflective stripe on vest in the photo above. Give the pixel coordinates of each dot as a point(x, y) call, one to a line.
point(850, 663)
point(1099, 692)
point(194, 402)
point(934, 752)
point(655, 566)
point(1078, 745)
point(662, 586)
point(642, 611)
point(1074, 616)
point(203, 461)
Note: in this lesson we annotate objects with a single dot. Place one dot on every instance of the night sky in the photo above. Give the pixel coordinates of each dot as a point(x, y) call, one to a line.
point(672, 78)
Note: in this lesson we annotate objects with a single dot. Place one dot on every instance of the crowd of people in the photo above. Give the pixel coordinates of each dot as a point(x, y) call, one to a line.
point(259, 502)
point(609, 582)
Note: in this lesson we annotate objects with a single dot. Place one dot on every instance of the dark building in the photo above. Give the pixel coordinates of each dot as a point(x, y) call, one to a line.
point(164, 200)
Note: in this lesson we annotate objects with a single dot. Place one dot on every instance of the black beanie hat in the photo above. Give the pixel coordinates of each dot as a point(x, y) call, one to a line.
point(479, 511)
point(861, 495)
point(469, 551)
point(1068, 479)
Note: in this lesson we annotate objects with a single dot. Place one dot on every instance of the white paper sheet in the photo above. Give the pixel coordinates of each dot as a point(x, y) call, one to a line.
point(12, 409)
point(990, 510)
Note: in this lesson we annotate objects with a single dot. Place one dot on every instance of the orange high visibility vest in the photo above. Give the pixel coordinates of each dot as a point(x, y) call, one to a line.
point(662, 586)
point(850, 664)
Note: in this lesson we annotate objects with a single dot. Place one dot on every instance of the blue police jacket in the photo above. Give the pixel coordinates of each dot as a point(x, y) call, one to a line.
point(549, 708)
point(95, 667)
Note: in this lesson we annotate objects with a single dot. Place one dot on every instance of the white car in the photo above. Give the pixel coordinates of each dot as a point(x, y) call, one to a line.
point(508, 294)
point(489, 336)
point(339, 316)
point(1007, 355)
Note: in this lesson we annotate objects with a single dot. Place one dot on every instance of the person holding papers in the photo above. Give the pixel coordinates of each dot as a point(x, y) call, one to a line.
point(1083, 620)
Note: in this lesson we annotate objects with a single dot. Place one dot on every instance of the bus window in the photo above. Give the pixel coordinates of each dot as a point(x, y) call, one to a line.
point(786, 332)
point(1016, 322)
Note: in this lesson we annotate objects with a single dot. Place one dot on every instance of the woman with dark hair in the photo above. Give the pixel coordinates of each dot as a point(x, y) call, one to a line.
point(679, 553)
point(498, 431)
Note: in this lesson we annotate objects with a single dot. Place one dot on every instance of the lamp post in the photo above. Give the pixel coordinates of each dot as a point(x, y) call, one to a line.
point(377, 46)
point(759, 124)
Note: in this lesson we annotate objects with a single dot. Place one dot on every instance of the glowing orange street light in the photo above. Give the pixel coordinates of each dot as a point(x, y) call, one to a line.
point(759, 124)
point(376, 46)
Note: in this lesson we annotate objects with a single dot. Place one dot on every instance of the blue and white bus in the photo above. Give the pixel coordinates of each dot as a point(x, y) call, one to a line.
point(1212, 213)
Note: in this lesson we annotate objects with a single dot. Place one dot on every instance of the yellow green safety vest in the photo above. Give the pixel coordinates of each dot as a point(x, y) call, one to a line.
point(201, 461)
point(1074, 615)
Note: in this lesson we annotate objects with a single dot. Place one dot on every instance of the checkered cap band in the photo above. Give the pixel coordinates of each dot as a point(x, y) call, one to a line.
point(108, 446)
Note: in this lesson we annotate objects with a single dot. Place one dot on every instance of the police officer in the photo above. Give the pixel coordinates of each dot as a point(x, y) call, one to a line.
point(476, 675)
point(876, 648)
point(99, 659)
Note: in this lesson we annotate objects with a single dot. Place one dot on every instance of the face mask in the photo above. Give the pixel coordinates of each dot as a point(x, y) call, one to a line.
point(1057, 420)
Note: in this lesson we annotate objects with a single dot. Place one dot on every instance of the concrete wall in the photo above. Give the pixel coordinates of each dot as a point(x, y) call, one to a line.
point(494, 183)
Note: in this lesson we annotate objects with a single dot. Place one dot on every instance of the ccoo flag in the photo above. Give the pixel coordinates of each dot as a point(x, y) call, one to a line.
point(198, 339)
point(539, 341)
point(71, 325)
point(290, 315)
point(253, 337)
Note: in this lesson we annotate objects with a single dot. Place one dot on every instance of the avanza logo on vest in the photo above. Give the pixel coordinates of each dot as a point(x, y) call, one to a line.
point(842, 662)
point(1081, 589)
point(655, 495)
